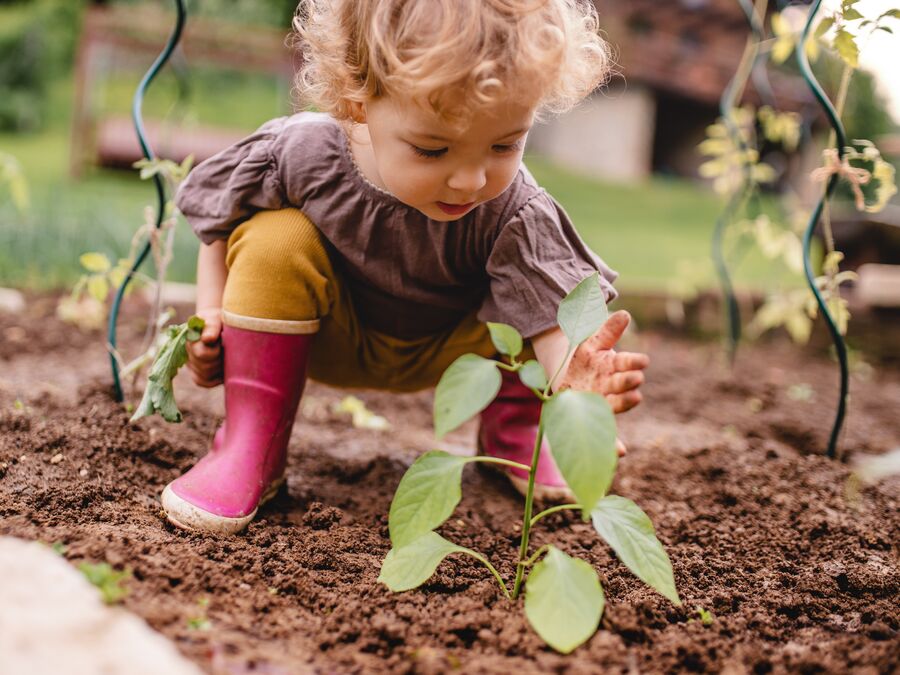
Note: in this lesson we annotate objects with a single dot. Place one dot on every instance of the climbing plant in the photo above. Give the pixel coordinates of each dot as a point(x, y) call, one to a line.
point(733, 147)
point(158, 239)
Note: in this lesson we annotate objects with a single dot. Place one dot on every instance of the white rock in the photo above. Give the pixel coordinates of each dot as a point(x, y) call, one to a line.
point(11, 301)
point(53, 621)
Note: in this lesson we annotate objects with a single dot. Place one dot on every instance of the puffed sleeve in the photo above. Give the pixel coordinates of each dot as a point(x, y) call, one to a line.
point(536, 260)
point(232, 185)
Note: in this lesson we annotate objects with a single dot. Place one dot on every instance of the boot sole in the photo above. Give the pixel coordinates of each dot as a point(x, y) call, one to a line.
point(181, 513)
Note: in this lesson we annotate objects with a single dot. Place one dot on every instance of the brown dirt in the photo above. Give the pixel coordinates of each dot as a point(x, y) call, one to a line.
point(798, 576)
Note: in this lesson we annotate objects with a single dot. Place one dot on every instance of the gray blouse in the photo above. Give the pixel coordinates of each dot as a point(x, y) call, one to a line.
point(511, 259)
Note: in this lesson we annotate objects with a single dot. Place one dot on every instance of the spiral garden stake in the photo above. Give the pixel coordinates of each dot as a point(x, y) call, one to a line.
point(841, 143)
point(136, 105)
point(727, 102)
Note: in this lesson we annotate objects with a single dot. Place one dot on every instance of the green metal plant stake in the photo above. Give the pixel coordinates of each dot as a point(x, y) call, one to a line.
point(137, 118)
point(841, 144)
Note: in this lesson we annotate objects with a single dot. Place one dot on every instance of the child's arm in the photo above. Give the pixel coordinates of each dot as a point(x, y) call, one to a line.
point(205, 355)
point(595, 365)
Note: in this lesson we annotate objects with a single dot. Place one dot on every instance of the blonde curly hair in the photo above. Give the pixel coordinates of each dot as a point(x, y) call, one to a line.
point(457, 56)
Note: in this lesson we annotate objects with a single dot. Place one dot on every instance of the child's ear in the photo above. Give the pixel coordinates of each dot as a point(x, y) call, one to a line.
point(358, 112)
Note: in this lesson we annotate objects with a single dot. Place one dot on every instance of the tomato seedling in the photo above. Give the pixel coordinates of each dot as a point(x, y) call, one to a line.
point(563, 597)
point(159, 396)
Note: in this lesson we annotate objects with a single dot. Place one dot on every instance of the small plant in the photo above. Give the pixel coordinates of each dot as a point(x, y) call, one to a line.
point(85, 306)
point(171, 354)
point(201, 620)
point(705, 616)
point(563, 597)
point(111, 582)
point(361, 416)
point(164, 346)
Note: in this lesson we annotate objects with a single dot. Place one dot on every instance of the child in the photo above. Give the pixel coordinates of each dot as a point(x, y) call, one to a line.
point(366, 245)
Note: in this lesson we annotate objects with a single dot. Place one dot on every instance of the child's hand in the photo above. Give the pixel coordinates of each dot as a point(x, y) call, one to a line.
point(597, 367)
point(205, 355)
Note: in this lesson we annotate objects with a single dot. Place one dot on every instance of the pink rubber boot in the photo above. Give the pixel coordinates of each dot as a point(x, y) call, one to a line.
point(264, 378)
point(508, 430)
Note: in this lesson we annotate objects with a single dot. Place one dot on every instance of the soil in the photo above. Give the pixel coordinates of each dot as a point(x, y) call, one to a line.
point(799, 572)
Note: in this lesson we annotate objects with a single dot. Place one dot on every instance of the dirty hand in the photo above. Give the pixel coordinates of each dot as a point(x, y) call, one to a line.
point(205, 355)
point(597, 367)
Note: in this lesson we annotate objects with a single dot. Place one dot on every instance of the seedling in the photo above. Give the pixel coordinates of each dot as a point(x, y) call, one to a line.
point(563, 597)
point(201, 621)
point(159, 396)
point(705, 616)
point(110, 582)
point(57, 547)
point(361, 416)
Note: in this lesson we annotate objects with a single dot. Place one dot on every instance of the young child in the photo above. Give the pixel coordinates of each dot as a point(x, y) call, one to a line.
point(366, 245)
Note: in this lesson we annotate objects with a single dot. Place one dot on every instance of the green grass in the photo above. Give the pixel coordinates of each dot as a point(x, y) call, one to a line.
point(101, 211)
point(651, 232)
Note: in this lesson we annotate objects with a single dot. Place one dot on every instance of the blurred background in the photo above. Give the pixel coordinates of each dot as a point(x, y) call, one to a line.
point(625, 164)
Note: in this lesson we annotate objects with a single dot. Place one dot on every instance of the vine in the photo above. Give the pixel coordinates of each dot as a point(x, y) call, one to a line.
point(733, 145)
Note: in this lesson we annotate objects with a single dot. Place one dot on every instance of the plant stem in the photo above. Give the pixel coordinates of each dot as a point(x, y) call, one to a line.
point(507, 367)
point(558, 370)
point(498, 460)
point(529, 503)
point(539, 394)
point(553, 509)
point(534, 556)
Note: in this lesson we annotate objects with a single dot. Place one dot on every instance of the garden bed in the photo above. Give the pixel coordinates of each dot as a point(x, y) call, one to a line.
point(798, 573)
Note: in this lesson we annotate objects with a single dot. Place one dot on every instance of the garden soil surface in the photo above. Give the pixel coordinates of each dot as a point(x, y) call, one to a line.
point(797, 567)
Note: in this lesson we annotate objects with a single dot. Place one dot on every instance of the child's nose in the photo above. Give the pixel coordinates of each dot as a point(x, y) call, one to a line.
point(468, 179)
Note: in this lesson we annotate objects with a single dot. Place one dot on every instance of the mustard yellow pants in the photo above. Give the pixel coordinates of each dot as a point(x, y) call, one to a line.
point(278, 268)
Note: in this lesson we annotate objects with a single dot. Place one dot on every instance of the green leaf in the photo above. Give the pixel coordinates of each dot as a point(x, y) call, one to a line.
point(846, 47)
point(94, 262)
point(894, 13)
point(466, 388)
point(630, 533)
point(427, 495)
point(117, 276)
point(410, 566)
point(583, 311)
point(98, 287)
point(195, 327)
point(581, 429)
point(159, 396)
point(563, 600)
point(823, 26)
point(851, 14)
point(506, 339)
point(110, 582)
point(532, 375)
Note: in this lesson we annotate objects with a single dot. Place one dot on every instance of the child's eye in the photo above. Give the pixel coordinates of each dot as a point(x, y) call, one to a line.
point(428, 153)
point(514, 147)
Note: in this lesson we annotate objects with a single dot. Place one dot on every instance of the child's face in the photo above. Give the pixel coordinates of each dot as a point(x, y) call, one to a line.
point(442, 172)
